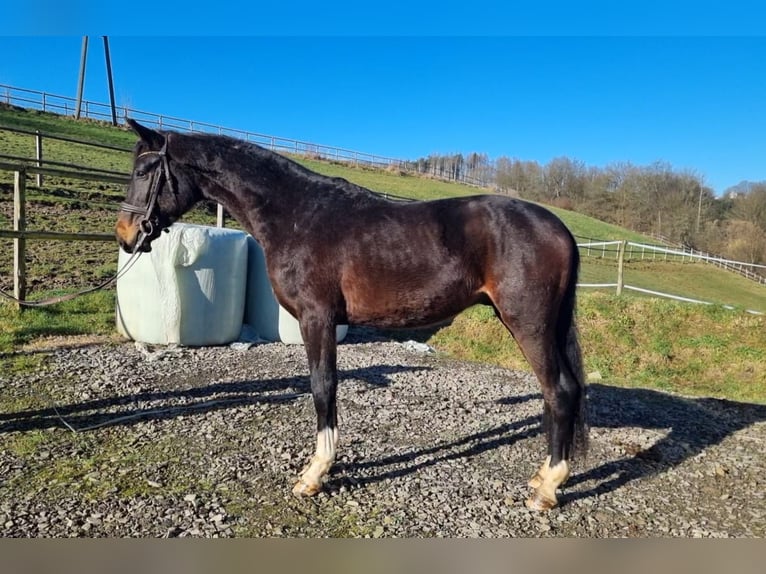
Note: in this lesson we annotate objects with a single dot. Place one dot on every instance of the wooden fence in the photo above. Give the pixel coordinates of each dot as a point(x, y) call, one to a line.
point(38, 166)
point(20, 233)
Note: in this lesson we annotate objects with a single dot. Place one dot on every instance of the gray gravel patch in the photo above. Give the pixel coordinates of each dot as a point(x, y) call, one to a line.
point(107, 441)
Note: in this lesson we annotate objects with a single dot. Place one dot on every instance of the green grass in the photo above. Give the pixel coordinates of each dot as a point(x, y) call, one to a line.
point(632, 340)
point(584, 226)
point(88, 315)
point(83, 315)
point(45, 122)
point(692, 280)
point(639, 342)
point(393, 183)
point(108, 463)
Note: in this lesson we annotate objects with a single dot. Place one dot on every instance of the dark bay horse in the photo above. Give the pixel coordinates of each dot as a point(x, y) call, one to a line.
point(337, 253)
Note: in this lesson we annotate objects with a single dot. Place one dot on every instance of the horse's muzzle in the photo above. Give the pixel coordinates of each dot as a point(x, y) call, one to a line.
point(132, 236)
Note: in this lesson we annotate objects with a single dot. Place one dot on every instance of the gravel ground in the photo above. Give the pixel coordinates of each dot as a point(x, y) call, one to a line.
point(107, 440)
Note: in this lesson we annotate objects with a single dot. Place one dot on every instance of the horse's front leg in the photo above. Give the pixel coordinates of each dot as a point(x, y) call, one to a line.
point(319, 340)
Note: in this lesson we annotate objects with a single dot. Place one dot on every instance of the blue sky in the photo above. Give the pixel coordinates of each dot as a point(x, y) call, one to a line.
point(697, 103)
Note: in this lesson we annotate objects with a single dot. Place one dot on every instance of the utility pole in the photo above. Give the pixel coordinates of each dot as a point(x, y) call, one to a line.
point(81, 82)
point(81, 79)
point(109, 79)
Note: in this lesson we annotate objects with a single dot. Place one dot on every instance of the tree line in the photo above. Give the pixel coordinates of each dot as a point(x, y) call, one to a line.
point(474, 168)
point(655, 199)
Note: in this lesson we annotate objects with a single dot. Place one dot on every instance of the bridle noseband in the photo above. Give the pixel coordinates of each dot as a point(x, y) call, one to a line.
point(148, 220)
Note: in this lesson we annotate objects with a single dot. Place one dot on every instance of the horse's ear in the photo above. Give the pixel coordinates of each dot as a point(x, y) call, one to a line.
point(152, 138)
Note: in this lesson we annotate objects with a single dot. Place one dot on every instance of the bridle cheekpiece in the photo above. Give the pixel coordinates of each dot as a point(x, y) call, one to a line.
point(148, 222)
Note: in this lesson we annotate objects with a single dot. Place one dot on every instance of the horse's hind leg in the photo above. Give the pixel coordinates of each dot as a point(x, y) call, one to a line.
point(555, 469)
point(320, 343)
point(537, 340)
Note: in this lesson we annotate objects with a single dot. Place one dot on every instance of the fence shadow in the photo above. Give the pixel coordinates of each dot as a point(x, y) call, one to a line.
point(99, 413)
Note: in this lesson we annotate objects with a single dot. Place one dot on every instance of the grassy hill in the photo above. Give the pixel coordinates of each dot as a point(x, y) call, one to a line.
point(631, 340)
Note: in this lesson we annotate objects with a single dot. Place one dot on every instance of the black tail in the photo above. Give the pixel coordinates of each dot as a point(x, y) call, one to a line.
point(569, 347)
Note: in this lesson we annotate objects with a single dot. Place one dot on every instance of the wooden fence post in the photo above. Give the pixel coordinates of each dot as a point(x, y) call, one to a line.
point(19, 244)
point(620, 266)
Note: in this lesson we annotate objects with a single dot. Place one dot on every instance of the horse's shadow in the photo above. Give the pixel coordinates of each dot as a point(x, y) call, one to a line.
point(464, 447)
point(689, 426)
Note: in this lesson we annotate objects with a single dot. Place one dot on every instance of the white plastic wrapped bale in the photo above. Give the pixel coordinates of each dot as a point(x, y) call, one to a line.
point(189, 290)
point(263, 313)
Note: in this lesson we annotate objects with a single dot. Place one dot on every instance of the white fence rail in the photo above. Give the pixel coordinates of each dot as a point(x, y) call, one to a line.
point(99, 111)
point(643, 251)
point(599, 249)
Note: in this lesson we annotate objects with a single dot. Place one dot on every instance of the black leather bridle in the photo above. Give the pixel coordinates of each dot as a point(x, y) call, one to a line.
point(149, 219)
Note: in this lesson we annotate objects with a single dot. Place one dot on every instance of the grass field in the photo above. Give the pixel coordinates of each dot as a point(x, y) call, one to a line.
point(631, 340)
point(696, 350)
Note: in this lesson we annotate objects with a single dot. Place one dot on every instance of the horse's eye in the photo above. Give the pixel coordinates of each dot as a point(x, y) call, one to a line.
point(140, 173)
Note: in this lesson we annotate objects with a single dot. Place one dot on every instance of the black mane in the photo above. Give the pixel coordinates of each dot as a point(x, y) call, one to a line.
point(254, 160)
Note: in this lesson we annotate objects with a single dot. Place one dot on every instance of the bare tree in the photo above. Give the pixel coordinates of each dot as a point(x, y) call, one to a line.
point(524, 178)
point(564, 177)
point(751, 206)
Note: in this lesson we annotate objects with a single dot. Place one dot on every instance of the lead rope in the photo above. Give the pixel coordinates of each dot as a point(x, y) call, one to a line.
point(69, 296)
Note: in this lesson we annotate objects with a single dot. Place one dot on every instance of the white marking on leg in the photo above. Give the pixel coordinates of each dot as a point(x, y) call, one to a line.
point(311, 480)
point(544, 497)
point(538, 478)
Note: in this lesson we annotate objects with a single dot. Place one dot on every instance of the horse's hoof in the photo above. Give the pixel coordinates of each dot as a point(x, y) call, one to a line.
point(536, 481)
point(539, 503)
point(302, 489)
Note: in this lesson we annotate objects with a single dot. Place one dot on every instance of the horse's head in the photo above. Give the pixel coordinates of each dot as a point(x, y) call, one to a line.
point(157, 194)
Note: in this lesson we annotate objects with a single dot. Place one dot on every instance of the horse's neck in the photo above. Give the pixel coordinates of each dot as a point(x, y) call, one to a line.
point(259, 205)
